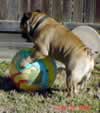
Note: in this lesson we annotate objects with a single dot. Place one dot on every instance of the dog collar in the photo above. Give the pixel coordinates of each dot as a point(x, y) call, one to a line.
point(32, 31)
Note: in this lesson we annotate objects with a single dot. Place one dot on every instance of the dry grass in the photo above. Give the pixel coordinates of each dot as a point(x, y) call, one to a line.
point(54, 101)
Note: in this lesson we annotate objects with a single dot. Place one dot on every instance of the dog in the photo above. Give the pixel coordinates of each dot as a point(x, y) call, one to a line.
point(53, 39)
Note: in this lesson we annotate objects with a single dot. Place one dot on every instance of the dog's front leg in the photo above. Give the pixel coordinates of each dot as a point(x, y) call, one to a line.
point(38, 55)
point(30, 59)
point(72, 82)
point(69, 84)
point(26, 61)
point(41, 52)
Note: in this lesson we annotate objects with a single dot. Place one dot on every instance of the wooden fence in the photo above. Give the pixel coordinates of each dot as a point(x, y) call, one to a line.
point(77, 11)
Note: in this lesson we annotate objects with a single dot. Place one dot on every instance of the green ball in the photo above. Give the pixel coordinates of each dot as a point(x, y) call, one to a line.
point(35, 76)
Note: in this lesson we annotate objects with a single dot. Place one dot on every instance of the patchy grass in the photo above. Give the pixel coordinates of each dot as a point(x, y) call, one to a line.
point(55, 101)
point(3, 67)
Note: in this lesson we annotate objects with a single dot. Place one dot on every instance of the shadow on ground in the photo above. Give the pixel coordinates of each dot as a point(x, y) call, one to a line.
point(6, 84)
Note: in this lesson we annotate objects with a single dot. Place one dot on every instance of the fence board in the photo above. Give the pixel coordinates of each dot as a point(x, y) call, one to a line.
point(67, 10)
point(12, 9)
point(57, 9)
point(61, 10)
point(22, 7)
point(89, 10)
point(47, 7)
point(77, 11)
point(8, 9)
point(13, 26)
point(36, 4)
point(9, 26)
point(3, 9)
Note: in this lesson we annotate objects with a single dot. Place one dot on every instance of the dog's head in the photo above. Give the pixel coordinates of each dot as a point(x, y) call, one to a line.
point(24, 19)
point(26, 23)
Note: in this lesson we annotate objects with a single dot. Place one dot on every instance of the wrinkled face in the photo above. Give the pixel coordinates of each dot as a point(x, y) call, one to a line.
point(24, 25)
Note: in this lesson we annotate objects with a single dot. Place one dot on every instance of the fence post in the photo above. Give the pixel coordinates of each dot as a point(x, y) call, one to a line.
point(28, 5)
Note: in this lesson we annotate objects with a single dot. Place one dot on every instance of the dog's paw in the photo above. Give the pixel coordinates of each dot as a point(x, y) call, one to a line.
point(26, 61)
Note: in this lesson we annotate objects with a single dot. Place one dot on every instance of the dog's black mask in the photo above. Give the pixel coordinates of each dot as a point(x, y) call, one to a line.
point(23, 26)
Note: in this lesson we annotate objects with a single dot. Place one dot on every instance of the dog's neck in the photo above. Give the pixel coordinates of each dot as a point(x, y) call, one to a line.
point(33, 29)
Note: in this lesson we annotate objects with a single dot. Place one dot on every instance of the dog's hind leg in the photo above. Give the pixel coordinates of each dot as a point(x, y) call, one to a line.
point(84, 82)
point(72, 84)
point(78, 71)
point(69, 83)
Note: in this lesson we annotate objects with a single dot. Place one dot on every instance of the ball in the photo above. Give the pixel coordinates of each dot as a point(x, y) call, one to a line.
point(35, 76)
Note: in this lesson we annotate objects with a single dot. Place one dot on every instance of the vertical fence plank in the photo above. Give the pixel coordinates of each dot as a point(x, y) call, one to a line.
point(47, 7)
point(28, 5)
point(77, 10)
point(92, 10)
point(3, 9)
point(12, 9)
point(36, 4)
point(89, 12)
point(22, 7)
point(97, 11)
point(57, 9)
point(67, 10)
point(12, 6)
point(62, 10)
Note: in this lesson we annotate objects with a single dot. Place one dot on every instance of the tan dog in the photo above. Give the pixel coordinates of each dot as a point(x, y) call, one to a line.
point(53, 39)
